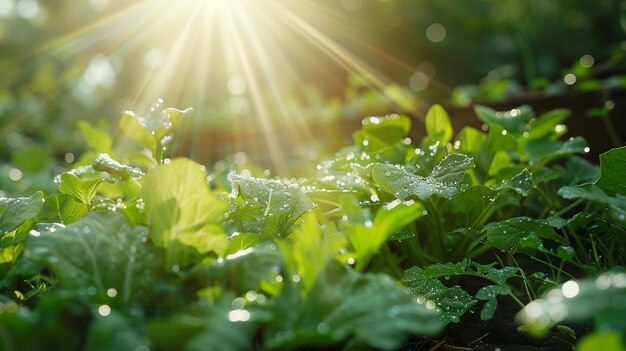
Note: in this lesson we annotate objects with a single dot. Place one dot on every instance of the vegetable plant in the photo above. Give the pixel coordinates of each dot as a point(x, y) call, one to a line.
point(388, 240)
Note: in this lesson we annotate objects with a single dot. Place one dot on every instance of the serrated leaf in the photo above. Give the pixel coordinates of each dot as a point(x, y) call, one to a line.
point(444, 180)
point(183, 210)
point(453, 301)
point(438, 124)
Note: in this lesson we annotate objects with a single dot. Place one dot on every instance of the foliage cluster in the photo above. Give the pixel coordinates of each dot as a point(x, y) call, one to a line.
point(390, 240)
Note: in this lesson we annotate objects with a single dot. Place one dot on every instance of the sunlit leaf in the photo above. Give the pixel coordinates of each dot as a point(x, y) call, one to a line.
point(438, 124)
point(182, 209)
point(83, 190)
point(444, 180)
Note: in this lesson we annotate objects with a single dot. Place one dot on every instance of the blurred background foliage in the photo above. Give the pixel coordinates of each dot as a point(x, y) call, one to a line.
point(281, 79)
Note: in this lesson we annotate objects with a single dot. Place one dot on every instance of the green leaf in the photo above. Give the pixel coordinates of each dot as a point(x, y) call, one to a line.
point(83, 190)
point(544, 150)
point(381, 132)
point(96, 139)
point(130, 126)
point(512, 120)
point(615, 204)
point(15, 211)
point(312, 249)
point(513, 234)
point(268, 207)
point(183, 211)
point(613, 171)
point(438, 124)
point(500, 160)
point(452, 301)
point(242, 271)
point(444, 180)
point(61, 208)
point(546, 124)
point(522, 183)
point(366, 238)
point(471, 139)
point(366, 309)
point(99, 252)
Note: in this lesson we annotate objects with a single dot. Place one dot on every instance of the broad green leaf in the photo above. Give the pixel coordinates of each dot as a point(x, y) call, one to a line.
point(473, 205)
point(366, 238)
point(500, 160)
point(548, 124)
point(182, 210)
point(83, 190)
point(99, 252)
point(471, 139)
point(312, 249)
point(522, 183)
point(267, 207)
point(367, 310)
point(599, 298)
point(613, 171)
point(513, 234)
point(581, 171)
point(444, 180)
point(615, 204)
point(544, 150)
point(381, 132)
point(62, 208)
point(242, 271)
point(438, 124)
point(130, 126)
point(15, 211)
point(96, 139)
point(512, 120)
